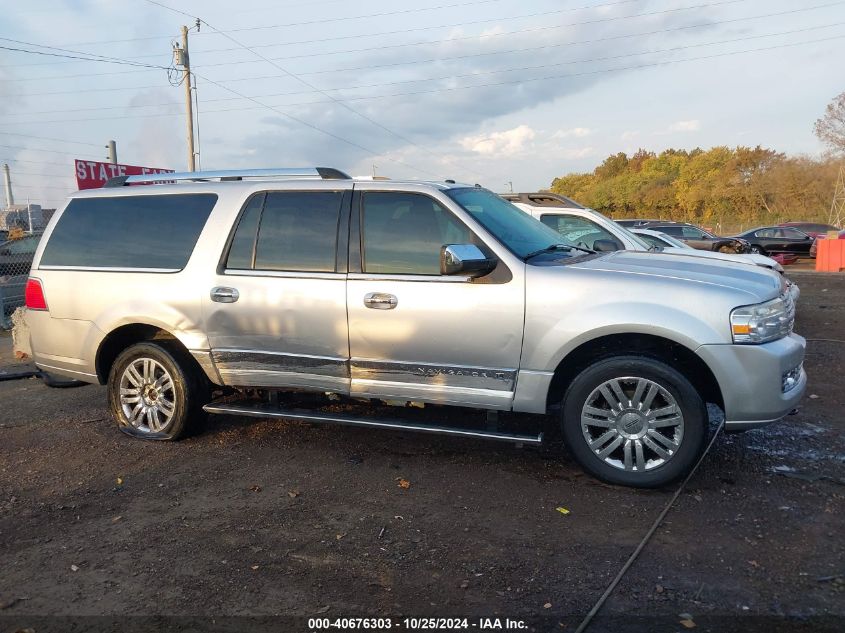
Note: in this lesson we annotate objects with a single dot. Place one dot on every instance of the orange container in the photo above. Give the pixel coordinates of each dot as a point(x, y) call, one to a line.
point(830, 257)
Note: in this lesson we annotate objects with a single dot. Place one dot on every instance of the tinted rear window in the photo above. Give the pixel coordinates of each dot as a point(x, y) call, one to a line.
point(129, 231)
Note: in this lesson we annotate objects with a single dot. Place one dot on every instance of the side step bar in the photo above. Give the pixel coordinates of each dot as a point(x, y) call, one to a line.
point(261, 410)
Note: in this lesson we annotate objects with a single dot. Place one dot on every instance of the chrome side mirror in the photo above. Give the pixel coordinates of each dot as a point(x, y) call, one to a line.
point(465, 259)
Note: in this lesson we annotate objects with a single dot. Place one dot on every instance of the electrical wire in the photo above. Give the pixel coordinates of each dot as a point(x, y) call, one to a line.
point(434, 60)
point(453, 77)
point(55, 140)
point(308, 84)
point(635, 554)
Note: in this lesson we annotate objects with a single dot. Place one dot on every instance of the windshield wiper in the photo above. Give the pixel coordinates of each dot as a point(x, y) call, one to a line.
point(556, 247)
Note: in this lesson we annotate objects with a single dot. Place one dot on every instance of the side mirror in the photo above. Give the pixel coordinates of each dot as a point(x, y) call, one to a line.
point(465, 259)
point(605, 246)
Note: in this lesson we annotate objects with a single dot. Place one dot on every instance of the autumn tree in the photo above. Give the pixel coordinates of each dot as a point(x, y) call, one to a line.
point(831, 127)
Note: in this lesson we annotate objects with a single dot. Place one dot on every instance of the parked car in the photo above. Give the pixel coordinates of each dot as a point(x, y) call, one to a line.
point(670, 244)
point(777, 239)
point(542, 199)
point(813, 229)
point(815, 246)
point(699, 238)
point(424, 292)
point(16, 255)
point(590, 229)
point(630, 223)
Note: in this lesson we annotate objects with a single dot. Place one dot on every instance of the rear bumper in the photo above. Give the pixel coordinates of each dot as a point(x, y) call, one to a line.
point(751, 377)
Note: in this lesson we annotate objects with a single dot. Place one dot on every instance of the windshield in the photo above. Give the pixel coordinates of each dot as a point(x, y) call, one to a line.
point(518, 231)
point(636, 239)
point(673, 241)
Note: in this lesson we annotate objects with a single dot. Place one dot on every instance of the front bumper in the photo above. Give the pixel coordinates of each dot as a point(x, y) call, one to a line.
point(751, 376)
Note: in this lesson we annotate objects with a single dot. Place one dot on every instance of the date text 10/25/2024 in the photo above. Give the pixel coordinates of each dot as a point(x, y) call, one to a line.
point(416, 624)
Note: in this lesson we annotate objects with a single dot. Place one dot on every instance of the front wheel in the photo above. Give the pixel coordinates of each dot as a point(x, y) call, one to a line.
point(757, 250)
point(154, 392)
point(634, 421)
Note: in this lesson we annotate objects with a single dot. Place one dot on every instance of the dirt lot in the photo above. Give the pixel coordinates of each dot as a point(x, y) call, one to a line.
point(262, 518)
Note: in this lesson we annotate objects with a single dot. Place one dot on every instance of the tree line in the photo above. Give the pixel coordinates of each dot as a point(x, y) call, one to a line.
point(723, 187)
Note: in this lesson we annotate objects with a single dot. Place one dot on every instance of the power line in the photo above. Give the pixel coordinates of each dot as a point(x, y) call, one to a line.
point(461, 76)
point(55, 140)
point(559, 45)
point(30, 149)
point(309, 85)
point(416, 29)
point(90, 59)
point(35, 162)
point(470, 87)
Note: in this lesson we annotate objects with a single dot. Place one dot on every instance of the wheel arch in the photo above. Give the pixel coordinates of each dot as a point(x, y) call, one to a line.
point(129, 334)
point(660, 348)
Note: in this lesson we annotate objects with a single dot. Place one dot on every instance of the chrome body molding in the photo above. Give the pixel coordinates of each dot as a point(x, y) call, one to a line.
point(438, 375)
point(249, 368)
point(433, 393)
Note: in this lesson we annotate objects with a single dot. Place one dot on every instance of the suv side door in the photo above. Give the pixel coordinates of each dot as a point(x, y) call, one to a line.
point(275, 310)
point(415, 334)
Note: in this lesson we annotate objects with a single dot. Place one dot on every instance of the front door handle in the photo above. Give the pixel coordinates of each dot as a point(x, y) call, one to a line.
point(380, 301)
point(222, 294)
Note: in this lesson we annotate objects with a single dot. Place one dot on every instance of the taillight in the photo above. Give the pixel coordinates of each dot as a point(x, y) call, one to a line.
point(34, 295)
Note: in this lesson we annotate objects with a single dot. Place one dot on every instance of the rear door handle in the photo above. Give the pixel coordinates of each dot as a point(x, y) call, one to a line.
point(380, 301)
point(222, 294)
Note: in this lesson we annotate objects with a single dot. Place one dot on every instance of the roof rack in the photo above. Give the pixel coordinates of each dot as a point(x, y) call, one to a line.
point(325, 173)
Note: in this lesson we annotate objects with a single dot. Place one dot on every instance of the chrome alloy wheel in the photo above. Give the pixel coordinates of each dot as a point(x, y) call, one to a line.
point(632, 424)
point(147, 396)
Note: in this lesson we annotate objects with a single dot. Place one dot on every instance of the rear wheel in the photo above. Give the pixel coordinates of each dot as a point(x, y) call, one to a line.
point(634, 421)
point(154, 392)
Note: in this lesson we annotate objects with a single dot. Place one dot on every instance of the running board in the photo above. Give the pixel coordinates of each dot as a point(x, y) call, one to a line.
point(261, 410)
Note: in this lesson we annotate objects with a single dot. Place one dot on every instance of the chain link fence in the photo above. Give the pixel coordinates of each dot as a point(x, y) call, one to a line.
point(17, 248)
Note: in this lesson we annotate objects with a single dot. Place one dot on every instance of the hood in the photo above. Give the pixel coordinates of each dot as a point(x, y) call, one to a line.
point(746, 258)
point(760, 283)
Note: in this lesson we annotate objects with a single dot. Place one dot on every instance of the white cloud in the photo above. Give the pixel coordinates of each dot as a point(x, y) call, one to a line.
point(504, 143)
point(693, 125)
point(630, 135)
point(577, 132)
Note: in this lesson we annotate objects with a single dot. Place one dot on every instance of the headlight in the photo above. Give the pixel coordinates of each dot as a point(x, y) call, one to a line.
point(763, 322)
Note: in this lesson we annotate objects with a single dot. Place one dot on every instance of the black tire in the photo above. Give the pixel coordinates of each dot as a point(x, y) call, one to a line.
point(757, 250)
point(584, 390)
point(188, 392)
point(60, 383)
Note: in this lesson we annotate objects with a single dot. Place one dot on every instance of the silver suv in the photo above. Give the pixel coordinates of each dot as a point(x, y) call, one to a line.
point(258, 283)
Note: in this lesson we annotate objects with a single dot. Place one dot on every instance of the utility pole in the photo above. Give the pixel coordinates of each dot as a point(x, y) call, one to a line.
point(509, 183)
point(7, 179)
point(183, 59)
point(837, 209)
point(112, 147)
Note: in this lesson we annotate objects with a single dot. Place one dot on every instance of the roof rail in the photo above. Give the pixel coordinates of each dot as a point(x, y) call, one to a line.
point(326, 173)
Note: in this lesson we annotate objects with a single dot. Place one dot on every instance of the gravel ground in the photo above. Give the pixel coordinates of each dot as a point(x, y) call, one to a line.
point(269, 517)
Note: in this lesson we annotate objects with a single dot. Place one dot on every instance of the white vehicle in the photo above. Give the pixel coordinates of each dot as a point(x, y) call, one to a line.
point(590, 229)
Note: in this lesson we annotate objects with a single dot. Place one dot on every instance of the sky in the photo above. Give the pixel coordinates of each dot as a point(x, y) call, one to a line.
point(505, 93)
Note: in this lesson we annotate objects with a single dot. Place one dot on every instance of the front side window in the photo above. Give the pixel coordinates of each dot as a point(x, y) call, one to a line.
point(765, 233)
point(293, 231)
point(403, 233)
point(652, 240)
point(579, 231)
point(692, 233)
point(146, 231)
point(792, 234)
point(517, 230)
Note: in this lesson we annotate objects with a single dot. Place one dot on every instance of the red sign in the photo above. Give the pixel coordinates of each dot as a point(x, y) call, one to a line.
point(91, 174)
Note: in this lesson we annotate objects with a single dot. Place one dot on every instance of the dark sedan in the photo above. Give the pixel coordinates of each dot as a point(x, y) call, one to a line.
point(813, 229)
point(699, 238)
point(778, 239)
point(16, 255)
